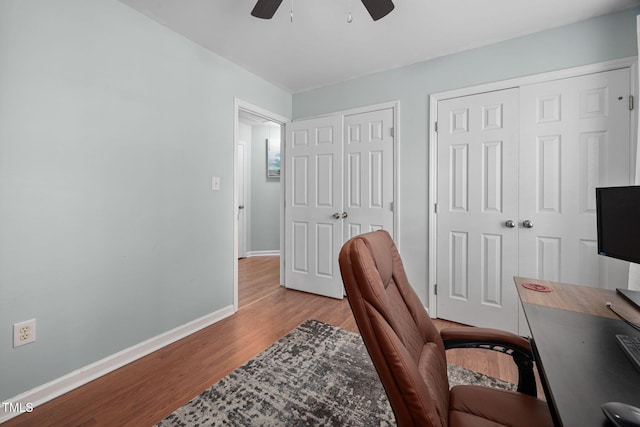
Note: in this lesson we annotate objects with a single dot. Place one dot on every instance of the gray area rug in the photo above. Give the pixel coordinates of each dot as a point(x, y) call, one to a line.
point(317, 375)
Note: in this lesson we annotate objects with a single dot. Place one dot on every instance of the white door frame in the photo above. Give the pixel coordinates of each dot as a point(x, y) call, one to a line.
point(238, 105)
point(630, 62)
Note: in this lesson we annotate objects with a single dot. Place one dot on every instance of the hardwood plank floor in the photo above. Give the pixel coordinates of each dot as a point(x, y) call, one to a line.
point(147, 390)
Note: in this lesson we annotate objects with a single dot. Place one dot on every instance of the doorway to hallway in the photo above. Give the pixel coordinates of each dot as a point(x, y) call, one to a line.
point(257, 189)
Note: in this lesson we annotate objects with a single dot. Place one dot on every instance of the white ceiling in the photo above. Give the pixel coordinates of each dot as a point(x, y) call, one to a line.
point(319, 47)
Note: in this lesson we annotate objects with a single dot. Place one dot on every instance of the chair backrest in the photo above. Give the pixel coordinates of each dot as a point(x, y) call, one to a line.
point(404, 344)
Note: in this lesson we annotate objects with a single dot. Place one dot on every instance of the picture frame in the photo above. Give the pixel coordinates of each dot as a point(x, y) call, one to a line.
point(273, 158)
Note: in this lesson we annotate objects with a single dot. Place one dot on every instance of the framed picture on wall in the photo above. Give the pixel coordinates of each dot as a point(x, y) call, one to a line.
point(273, 158)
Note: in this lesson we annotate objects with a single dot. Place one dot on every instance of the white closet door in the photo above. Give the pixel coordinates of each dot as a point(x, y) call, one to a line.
point(313, 158)
point(572, 135)
point(339, 182)
point(574, 138)
point(477, 198)
point(368, 172)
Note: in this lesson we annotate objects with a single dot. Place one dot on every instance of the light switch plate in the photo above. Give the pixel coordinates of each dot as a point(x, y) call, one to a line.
point(215, 183)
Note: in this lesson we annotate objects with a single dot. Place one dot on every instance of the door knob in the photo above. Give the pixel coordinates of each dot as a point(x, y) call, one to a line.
point(510, 223)
point(527, 223)
point(336, 215)
point(241, 207)
point(344, 214)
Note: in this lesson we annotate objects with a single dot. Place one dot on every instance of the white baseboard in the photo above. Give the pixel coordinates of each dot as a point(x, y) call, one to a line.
point(263, 253)
point(26, 402)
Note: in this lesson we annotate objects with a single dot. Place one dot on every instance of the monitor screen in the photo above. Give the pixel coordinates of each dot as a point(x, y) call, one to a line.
point(618, 216)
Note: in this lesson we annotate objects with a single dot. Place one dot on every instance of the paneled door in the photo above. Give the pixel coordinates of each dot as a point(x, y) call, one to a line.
point(339, 182)
point(313, 205)
point(574, 138)
point(516, 191)
point(368, 172)
point(478, 209)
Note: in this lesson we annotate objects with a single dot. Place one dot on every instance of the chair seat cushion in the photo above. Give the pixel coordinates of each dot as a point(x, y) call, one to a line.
point(487, 407)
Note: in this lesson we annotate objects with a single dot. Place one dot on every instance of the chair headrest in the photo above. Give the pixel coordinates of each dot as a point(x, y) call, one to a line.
point(380, 244)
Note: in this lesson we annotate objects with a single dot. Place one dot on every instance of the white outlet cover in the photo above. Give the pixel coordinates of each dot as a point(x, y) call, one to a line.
point(24, 332)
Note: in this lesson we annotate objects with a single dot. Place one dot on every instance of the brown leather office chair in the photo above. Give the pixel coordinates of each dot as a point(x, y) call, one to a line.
point(408, 352)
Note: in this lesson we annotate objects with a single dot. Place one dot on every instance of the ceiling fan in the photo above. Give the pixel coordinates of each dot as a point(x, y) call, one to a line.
point(265, 9)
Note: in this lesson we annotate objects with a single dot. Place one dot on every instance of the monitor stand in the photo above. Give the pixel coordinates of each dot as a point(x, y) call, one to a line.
point(632, 296)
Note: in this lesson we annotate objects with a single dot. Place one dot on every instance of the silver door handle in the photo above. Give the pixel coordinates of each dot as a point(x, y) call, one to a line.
point(527, 223)
point(241, 207)
point(344, 214)
point(510, 223)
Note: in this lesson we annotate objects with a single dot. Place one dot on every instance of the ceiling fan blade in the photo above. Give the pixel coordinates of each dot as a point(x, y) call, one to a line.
point(265, 9)
point(378, 8)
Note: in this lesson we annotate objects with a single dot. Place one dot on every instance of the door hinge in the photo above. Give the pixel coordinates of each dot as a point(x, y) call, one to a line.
point(391, 206)
point(435, 208)
point(392, 132)
point(435, 289)
point(436, 126)
point(630, 102)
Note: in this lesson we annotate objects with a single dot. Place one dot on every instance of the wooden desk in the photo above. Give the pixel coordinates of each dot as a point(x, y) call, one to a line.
point(577, 357)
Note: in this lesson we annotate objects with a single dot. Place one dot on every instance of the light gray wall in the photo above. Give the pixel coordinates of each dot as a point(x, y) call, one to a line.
point(596, 40)
point(111, 127)
point(265, 194)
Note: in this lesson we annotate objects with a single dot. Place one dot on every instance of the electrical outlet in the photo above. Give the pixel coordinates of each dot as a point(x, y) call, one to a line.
point(24, 332)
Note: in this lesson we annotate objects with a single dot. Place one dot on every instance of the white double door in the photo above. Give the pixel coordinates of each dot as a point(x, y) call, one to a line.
point(338, 183)
point(517, 172)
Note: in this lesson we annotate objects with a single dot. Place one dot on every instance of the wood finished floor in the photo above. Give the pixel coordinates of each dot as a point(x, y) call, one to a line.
point(147, 390)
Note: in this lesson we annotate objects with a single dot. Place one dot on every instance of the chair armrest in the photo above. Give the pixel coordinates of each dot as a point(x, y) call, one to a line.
point(467, 337)
point(516, 346)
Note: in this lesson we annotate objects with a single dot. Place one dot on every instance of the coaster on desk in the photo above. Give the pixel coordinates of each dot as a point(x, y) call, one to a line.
point(536, 287)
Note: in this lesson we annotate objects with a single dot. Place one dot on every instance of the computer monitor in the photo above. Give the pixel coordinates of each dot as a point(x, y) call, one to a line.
point(618, 217)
